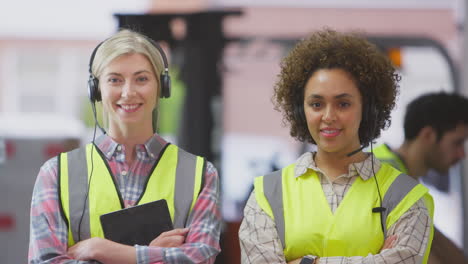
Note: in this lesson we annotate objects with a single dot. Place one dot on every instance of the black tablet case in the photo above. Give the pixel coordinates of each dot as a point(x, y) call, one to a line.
point(137, 225)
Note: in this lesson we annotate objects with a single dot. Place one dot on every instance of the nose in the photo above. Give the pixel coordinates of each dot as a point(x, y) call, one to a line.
point(128, 90)
point(329, 114)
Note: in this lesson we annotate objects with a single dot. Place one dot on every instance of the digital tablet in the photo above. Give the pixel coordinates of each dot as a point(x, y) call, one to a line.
point(137, 225)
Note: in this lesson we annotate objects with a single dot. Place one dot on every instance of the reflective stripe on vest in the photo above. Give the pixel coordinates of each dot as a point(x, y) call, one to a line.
point(176, 177)
point(385, 154)
point(280, 194)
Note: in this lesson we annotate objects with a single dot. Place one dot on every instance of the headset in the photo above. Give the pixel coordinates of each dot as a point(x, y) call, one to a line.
point(93, 83)
point(299, 113)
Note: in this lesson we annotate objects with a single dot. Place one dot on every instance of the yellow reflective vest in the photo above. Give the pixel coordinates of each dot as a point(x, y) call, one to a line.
point(176, 177)
point(385, 154)
point(306, 225)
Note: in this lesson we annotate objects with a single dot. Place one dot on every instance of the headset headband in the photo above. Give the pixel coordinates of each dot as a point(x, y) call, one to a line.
point(156, 45)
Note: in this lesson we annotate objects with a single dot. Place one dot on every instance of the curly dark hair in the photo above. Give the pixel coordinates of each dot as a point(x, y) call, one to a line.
point(440, 110)
point(371, 70)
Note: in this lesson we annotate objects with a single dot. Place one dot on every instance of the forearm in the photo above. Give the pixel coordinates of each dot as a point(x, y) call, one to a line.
point(258, 254)
point(258, 237)
point(202, 241)
point(187, 253)
point(199, 247)
point(115, 253)
point(390, 256)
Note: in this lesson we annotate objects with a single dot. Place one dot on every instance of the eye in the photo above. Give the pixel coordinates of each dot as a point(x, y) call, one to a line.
point(344, 104)
point(315, 104)
point(142, 78)
point(113, 80)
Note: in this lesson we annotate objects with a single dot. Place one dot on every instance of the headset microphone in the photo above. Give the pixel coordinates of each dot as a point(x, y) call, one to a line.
point(354, 151)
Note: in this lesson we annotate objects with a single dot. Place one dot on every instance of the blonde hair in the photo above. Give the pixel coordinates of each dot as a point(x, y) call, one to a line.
point(127, 42)
point(124, 42)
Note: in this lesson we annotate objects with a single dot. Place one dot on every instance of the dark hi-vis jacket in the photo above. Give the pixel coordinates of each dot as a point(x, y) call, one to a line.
point(306, 225)
point(176, 177)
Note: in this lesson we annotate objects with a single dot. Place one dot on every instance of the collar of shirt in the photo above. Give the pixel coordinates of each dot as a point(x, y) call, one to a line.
point(151, 148)
point(365, 169)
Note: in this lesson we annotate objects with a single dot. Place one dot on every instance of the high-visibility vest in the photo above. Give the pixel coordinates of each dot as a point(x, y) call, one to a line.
point(176, 177)
point(385, 154)
point(306, 225)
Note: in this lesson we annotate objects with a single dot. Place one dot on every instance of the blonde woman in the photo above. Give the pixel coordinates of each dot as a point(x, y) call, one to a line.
point(127, 166)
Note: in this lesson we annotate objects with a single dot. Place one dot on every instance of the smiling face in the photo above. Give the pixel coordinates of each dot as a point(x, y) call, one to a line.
point(129, 90)
point(333, 110)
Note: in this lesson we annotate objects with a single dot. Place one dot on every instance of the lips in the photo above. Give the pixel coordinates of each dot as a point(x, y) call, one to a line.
point(330, 132)
point(129, 108)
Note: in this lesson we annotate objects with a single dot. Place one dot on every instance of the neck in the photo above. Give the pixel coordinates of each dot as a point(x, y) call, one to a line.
point(336, 164)
point(130, 138)
point(413, 155)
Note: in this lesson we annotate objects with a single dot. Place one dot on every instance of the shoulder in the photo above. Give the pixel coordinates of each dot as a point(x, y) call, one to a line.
point(389, 171)
point(50, 167)
point(47, 177)
point(182, 153)
point(211, 177)
point(51, 163)
point(252, 203)
point(400, 178)
point(210, 168)
point(271, 176)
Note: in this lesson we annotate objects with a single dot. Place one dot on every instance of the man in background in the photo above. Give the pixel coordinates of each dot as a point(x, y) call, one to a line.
point(435, 128)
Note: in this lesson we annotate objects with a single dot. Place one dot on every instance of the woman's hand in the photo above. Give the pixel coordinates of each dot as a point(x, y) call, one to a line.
point(87, 249)
point(389, 242)
point(98, 249)
point(173, 238)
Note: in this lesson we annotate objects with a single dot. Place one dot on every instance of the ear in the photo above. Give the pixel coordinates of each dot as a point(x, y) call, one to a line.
point(428, 135)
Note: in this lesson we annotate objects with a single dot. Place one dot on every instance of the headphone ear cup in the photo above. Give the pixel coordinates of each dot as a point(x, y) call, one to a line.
point(370, 117)
point(165, 85)
point(93, 90)
point(299, 114)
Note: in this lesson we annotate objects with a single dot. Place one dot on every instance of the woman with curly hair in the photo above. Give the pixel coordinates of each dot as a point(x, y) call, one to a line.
point(337, 204)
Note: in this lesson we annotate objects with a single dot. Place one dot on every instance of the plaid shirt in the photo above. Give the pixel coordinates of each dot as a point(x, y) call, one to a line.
point(260, 242)
point(48, 231)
